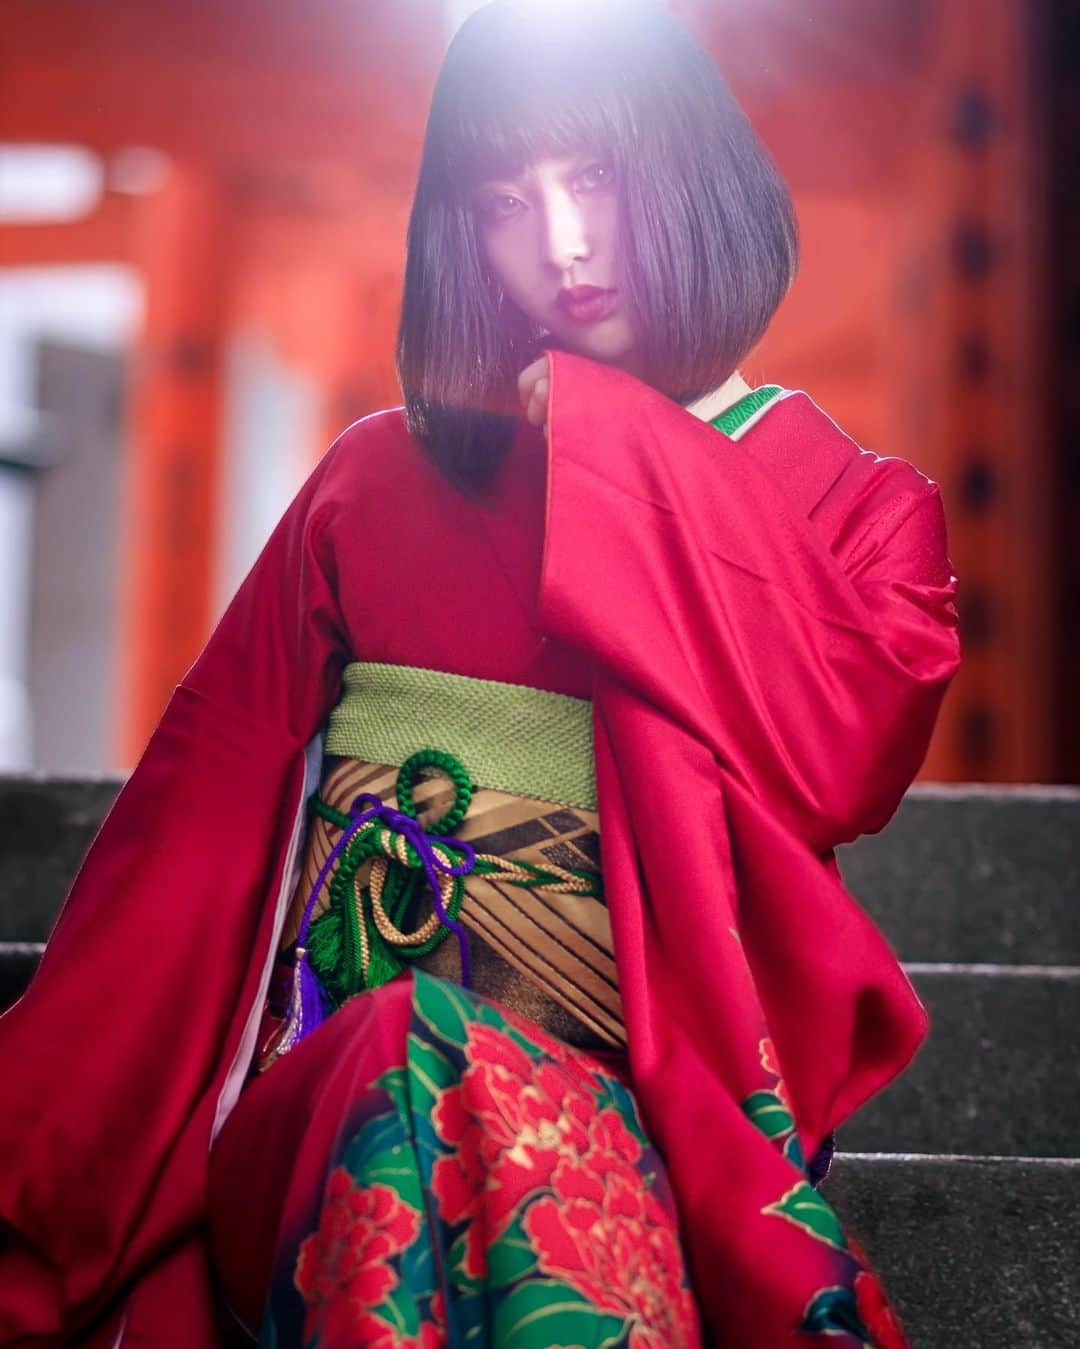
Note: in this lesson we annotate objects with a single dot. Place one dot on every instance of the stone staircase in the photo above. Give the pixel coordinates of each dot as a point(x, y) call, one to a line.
point(962, 1179)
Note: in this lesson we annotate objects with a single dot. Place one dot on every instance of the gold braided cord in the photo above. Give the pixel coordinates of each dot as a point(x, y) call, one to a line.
point(395, 847)
point(503, 869)
point(361, 924)
point(513, 874)
point(386, 928)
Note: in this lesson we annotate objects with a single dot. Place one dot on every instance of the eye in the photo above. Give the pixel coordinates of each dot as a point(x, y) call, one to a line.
point(597, 175)
point(498, 206)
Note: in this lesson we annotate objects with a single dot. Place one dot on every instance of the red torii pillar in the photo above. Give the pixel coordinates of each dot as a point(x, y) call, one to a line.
point(180, 243)
point(976, 363)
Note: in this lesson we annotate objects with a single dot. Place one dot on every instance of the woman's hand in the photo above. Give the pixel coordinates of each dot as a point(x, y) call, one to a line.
point(533, 385)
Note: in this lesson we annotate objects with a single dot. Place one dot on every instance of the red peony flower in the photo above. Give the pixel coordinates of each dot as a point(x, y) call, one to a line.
point(375, 1333)
point(873, 1307)
point(877, 1316)
point(512, 1120)
point(771, 1064)
point(605, 1233)
point(580, 1065)
point(622, 1253)
point(609, 1158)
point(343, 1268)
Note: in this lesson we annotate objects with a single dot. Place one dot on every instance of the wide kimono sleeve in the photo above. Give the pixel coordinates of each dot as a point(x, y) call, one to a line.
point(805, 630)
point(123, 1055)
point(773, 624)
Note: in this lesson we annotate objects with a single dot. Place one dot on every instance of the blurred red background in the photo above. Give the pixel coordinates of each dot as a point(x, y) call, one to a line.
point(179, 348)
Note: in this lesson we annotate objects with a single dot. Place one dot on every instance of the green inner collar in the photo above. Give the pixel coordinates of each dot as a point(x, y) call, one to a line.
point(733, 417)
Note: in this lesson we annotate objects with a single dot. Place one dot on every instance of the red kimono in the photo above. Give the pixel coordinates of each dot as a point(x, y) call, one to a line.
point(765, 627)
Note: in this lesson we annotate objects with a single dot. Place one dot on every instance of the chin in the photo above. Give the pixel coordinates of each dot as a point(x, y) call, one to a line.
point(601, 342)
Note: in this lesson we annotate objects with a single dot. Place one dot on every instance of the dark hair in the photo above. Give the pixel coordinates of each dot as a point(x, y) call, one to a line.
point(708, 242)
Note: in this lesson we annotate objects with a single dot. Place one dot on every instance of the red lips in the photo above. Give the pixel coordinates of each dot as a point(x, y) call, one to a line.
point(587, 304)
point(570, 296)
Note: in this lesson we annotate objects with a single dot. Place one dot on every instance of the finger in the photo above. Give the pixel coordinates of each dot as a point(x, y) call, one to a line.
point(538, 402)
point(532, 372)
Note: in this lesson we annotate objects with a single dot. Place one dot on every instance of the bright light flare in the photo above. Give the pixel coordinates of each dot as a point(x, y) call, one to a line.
point(48, 182)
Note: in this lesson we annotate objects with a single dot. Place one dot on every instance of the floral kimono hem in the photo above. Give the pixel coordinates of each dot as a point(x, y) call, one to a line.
point(485, 1185)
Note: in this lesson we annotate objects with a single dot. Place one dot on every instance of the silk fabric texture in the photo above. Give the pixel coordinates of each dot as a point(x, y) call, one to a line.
point(766, 628)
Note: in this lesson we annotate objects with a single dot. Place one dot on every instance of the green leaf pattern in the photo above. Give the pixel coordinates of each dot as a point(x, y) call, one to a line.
point(430, 1292)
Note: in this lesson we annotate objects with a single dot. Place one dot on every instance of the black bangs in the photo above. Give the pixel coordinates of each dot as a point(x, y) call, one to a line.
point(501, 105)
point(707, 235)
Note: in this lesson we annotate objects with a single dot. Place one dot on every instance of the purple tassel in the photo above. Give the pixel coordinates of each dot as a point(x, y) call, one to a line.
point(308, 1005)
point(310, 994)
point(307, 1002)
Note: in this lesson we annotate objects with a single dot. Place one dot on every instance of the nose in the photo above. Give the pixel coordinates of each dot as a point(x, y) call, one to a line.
point(566, 237)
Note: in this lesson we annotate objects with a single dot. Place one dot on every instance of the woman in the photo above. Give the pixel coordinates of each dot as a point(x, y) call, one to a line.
point(688, 616)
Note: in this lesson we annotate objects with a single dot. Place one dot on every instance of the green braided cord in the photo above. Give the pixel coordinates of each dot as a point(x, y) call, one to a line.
point(733, 417)
point(341, 899)
point(335, 939)
point(318, 806)
point(517, 739)
point(445, 763)
point(539, 876)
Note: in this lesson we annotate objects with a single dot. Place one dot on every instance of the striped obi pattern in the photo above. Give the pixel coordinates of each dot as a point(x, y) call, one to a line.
point(544, 953)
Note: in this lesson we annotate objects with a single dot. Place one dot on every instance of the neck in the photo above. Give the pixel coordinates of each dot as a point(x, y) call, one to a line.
point(711, 404)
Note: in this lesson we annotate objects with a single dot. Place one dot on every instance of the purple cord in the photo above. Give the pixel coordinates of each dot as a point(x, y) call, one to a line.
point(821, 1161)
point(423, 845)
point(335, 852)
point(308, 1003)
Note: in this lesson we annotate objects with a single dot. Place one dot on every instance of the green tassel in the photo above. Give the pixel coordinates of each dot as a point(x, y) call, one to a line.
point(326, 946)
point(335, 940)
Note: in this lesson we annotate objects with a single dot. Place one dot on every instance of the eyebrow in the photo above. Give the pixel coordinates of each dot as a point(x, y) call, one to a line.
point(572, 162)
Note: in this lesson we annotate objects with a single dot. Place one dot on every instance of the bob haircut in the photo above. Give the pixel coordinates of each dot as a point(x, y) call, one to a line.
point(707, 239)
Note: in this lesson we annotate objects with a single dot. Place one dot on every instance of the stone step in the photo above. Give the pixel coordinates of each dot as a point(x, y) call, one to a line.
point(963, 873)
point(974, 1252)
point(972, 873)
point(46, 825)
point(18, 961)
point(997, 1073)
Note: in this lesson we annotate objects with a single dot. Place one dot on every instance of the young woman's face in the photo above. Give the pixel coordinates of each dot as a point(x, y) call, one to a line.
point(552, 229)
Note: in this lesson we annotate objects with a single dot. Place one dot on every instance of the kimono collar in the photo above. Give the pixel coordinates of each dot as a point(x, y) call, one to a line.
point(711, 404)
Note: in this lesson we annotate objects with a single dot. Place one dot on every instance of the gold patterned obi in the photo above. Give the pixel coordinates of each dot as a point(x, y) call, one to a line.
point(530, 902)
